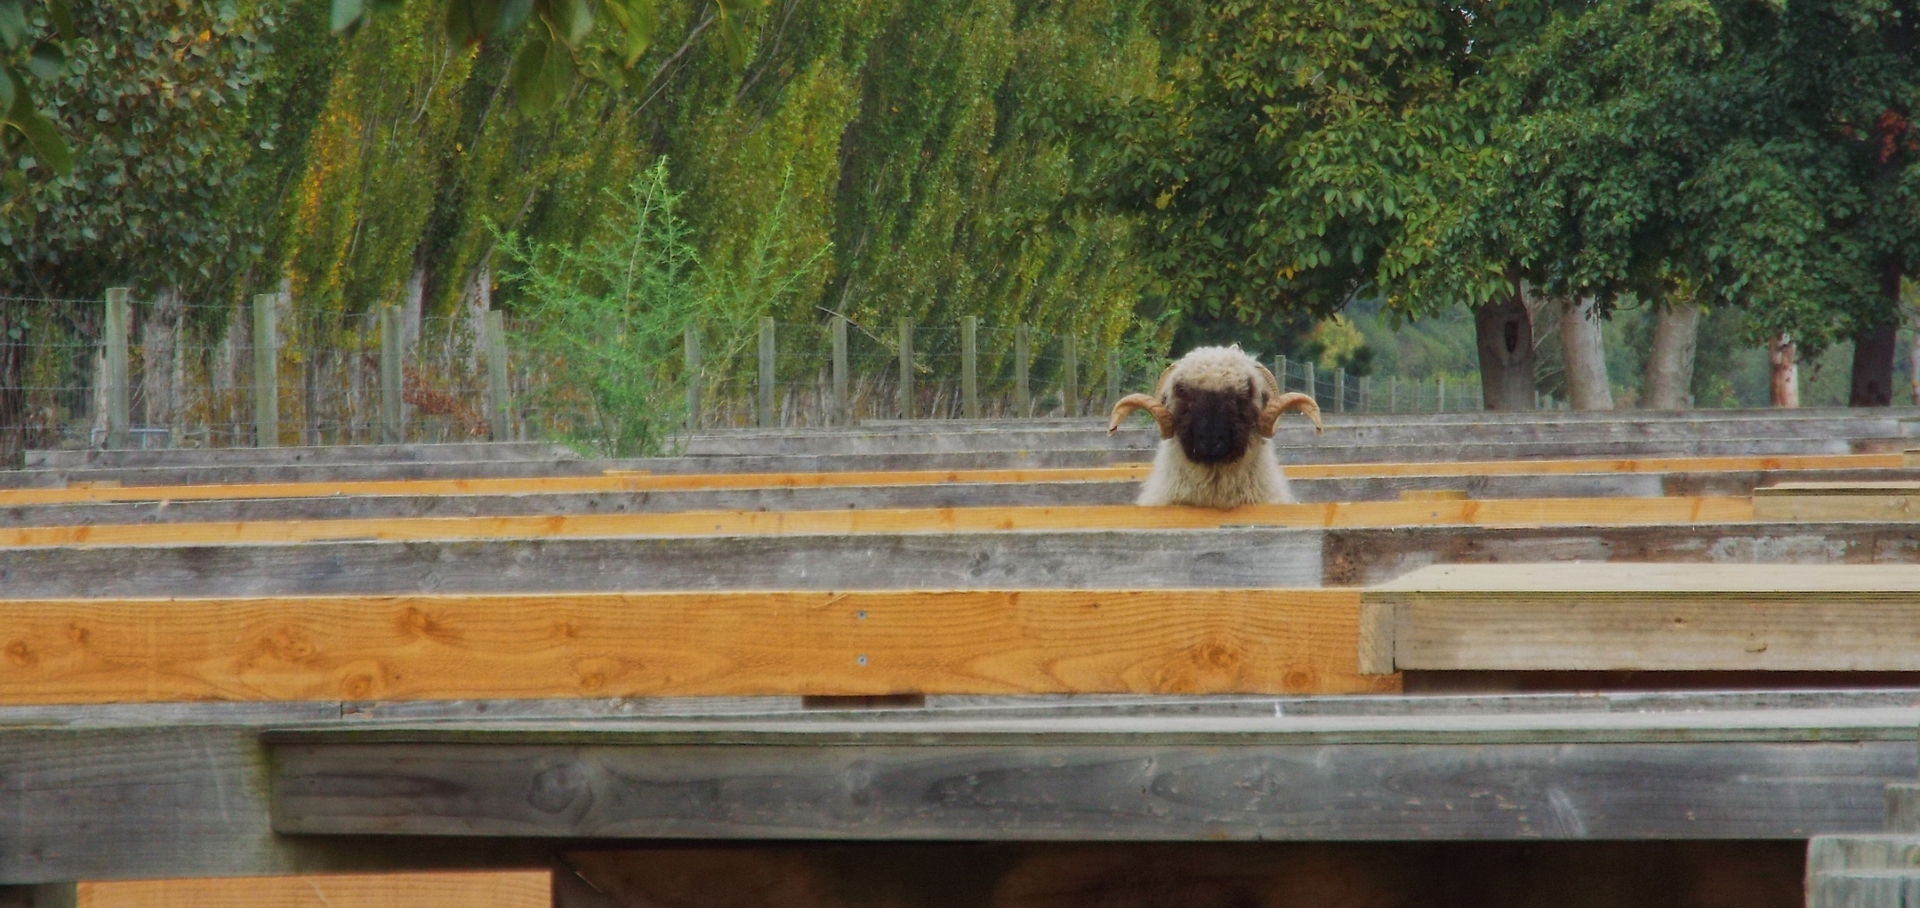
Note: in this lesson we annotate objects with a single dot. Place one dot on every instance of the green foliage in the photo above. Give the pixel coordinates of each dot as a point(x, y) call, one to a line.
point(33, 42)
point(161, 92)
point(607, 318)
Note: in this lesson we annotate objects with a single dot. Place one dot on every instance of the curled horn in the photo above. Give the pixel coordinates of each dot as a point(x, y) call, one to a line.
point(1280, 403)
point(1150, 403)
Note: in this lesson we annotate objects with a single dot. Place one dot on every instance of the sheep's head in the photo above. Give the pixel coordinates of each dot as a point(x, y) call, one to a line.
point(1214, 400)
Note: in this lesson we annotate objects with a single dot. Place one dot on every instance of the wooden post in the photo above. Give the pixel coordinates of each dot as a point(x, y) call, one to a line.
point(1022, 349)
point(841, 416)
point(266, 372)
point(969, 367)
point(1070, 403)
point(1366, 394)
point(498, 403)
point(1339, 390)
point(119, 325)
point(693, 378)
point(1440, 394)
point(766, 373)
point(1280, 371)
point(393, 418)
point(906, 368)
point(1113, 377)
point(1393, 394)
point(1313, 385)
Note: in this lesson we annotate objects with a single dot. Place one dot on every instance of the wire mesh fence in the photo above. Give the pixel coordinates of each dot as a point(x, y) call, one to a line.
point(172, 373)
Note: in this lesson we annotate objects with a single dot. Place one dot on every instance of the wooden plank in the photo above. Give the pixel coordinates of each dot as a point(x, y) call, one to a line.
point(1496, 512)
point(1647, 617)
point(631, 481)
point(681, 644)
point(1880, 500)
point(465, 889)
point(1158, 780)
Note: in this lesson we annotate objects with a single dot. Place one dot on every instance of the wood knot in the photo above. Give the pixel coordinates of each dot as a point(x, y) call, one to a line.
point(22, 655)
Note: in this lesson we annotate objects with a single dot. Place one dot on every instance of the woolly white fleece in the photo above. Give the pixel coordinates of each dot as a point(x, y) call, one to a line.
point(1253, 479)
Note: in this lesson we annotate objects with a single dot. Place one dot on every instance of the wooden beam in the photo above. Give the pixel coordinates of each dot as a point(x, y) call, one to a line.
point(1647, 617)
point(1741, 774)
point(1796, 501)
point(680, 644)
point(460, 889)
point(631, 481)
point(1495, 512)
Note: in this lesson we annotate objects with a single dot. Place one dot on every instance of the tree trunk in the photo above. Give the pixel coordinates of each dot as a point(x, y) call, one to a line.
point(1587, 387)
point(1676, 329)
point(1876, 346)
point(159, 344)
point(1786, 371)
point(13, 391)
point(1913, 363)
point(1505, 330)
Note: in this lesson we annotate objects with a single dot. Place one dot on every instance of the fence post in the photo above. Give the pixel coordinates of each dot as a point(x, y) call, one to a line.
point(766, 372)
point(393, 416)
point(1440, 394)
point(1313, 385)
point(1366, 394)
point(1393, 394)
point(1022, 401)
point(693, 378)
point(1070, 405)
point(266, 372)
point(1280, 371)
point(1339, 390)
point(119, 325)
point(841, 416)
point(498, 403)
point(969, 366)
point(1113, 377)
point(906, 368)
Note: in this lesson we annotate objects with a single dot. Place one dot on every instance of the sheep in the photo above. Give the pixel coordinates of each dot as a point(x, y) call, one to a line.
point(1217, 409)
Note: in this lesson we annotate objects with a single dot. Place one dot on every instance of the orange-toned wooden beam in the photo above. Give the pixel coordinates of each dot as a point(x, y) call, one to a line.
point(681, 644)
point(621, 481)
point(456, 889)
point(1488, 512)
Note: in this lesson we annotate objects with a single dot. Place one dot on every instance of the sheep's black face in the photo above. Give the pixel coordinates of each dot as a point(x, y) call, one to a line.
point(1214, 427)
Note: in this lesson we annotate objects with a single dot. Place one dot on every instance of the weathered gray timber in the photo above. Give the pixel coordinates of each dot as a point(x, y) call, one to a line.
point(973, 460)
point(1903, 808)
point(1147, 559)
point(1342, 431)
point(946, 495)
point(1863, 871)
point(1084, 560)
point(131, 791)
point(329, 454)
point(1736, 774)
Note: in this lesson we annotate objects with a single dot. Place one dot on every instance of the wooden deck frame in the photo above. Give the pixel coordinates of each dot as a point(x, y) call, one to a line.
point(626, 481)
point(1644, 617)
point(681, 644)
point(1491, 512)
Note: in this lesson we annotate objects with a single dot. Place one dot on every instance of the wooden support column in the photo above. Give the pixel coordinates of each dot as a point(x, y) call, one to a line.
point(906, 368)
point(1022, 350)
point(970, 367)
point(1339, 390)
point(1440, 394)
point(1313, 383)
point(499, 405)
point(266, 372)
point(1280, 372)
point(842, 414)
point(392, 403)
point(767, 420)
point(118, 326)
point(1071, 392)
point(693, 378)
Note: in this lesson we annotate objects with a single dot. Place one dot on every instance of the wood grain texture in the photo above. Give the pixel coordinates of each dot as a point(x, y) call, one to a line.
point(1650, 617)
point(680, 644)
point(470, 889)
point(1508, 512)
point(1748, 790)
point(1882, 500)
point(640, 481)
